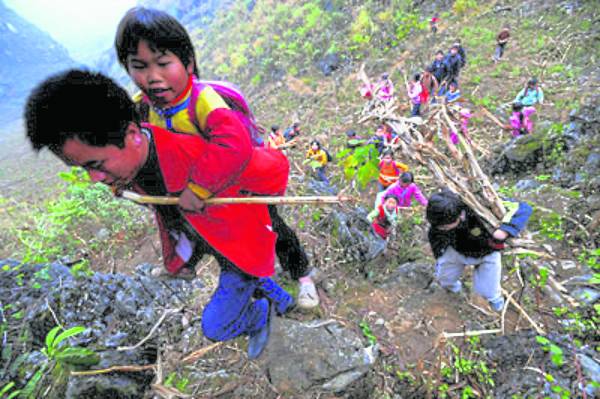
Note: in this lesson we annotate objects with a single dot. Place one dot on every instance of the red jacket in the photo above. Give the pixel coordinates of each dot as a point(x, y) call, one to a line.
point(226, 165)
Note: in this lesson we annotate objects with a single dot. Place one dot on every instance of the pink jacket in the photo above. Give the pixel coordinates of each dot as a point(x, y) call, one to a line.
point(414, 92)
point(465, 115)
point(527, 124)
point(405, 194)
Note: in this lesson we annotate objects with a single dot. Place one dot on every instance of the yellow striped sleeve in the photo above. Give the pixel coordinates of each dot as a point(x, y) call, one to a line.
point(138, 97)
point(511, 209)
point(199, 191)
point(208, 100)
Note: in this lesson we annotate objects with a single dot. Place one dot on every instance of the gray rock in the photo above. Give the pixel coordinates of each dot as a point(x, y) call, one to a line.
point(595, 182)
point(592, 370)
point(353, 231)
point(302, 356)
point(587, 295)
point(527, 184)
point(330, 63)
point(103, 234)
point(593, 202)
point(524, 152)
point(112, 386)
point(592, 162)
point(567, 264)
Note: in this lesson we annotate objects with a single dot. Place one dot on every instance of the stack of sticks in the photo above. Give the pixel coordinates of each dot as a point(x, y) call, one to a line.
point(453, 166)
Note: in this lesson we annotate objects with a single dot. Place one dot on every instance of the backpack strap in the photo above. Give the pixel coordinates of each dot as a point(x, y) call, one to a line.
point(193, 102)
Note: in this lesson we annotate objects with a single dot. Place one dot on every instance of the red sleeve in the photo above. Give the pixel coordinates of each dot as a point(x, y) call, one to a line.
point(228, 151)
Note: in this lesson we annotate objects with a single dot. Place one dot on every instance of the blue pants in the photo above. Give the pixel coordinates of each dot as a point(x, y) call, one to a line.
point(416, 110)
point(232, 311)
point(321, 174)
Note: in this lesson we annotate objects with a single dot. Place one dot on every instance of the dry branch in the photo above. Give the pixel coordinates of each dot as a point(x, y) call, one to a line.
point(114, 369)
point(494, 119)
point(147, 337)
point(192, 357)
point(475, 333)
point(537, 328)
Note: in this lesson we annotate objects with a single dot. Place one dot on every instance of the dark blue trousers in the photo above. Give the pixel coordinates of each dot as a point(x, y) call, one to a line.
point(232, 311)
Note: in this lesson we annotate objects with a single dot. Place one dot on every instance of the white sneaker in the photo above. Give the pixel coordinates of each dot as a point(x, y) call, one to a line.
point(307, 296)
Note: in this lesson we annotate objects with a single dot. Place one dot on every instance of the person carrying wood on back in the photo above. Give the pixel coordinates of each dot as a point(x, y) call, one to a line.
point(459, 238)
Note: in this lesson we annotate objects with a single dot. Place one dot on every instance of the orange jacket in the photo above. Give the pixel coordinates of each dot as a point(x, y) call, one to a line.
point(389, 173)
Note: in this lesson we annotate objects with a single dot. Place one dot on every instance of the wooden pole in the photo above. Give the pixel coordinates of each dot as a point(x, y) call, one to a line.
point(308, 200)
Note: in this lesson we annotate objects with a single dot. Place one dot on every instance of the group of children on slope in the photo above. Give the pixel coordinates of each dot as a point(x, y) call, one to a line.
point(438, 79)
point(195, 140)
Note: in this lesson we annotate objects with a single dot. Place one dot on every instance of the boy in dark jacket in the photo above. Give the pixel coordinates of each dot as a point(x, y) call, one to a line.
point(453, 63)
point(462, 53)
point(439, 69)
point(459, 238)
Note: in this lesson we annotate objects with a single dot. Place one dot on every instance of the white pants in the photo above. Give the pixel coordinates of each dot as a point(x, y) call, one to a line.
point(486, 276)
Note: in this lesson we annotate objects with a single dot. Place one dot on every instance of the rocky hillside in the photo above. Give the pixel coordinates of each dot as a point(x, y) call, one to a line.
point(27, 55)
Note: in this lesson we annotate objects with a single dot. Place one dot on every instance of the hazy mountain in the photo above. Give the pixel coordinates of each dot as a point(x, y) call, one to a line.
point(27, 55)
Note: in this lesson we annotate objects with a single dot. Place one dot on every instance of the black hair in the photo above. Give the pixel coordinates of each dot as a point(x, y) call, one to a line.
point(385, 126)
point(296, 125)
point(161, 31)
point(417, 77)
point(390, 195)
point(274, 128)
point(444, 208)
point(387, 152)
point(315, 142)
point(429, 69)
point(78, 104)
point(439, 52)
point(517, 106)
point(533, 81)
point(385, 75)
point(407, 177)
point(453, 83)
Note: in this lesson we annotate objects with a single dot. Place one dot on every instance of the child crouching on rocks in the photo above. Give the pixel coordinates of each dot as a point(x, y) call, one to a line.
point(384, 217)
point(459, 238)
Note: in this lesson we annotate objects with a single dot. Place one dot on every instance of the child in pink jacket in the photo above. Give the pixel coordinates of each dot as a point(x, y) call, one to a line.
point(520, 120)
point(406, 189)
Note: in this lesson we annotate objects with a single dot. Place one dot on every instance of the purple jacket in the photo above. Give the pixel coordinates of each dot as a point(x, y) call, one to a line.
point(405, 194)
point(526, 125)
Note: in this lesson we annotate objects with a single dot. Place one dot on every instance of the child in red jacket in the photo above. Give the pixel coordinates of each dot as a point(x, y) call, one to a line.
point(118, 150)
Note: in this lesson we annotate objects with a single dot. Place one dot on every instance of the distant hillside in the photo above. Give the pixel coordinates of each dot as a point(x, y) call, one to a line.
point(27, 55)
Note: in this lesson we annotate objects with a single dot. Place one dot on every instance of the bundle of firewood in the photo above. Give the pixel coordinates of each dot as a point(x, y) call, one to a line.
point(438, 143)
point(454, 166)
